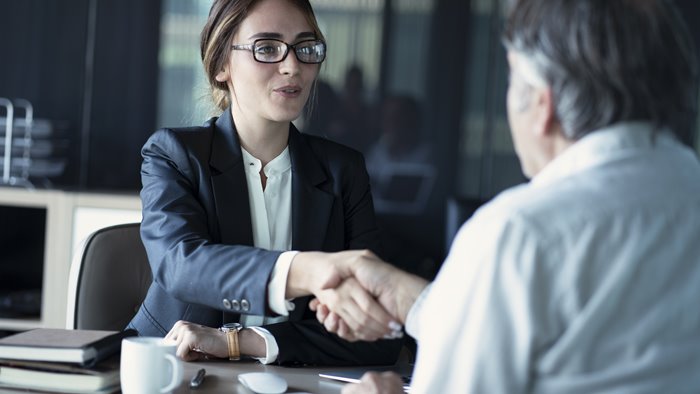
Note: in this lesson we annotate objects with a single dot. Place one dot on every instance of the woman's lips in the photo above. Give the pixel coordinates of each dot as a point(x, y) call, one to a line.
point(289, 91)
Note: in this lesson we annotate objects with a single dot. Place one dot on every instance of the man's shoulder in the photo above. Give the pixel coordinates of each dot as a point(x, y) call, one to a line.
point(519, 200)
point(538, 209)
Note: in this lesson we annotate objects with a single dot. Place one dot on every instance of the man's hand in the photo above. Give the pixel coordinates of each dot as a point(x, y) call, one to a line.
point(362, 317)
point(376, 383)
point(348, 309)
point(314, 272)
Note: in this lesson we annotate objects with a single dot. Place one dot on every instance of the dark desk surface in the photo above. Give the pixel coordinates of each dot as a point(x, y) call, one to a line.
point(222, 377)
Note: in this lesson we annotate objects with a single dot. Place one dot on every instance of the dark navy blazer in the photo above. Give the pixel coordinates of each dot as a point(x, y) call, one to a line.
point(198, 235)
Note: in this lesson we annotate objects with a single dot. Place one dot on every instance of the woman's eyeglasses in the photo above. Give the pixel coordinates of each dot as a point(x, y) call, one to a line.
point(268, 50)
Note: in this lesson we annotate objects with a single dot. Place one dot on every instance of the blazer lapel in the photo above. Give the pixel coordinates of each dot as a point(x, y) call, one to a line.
point(229, 184)
point(311, 205)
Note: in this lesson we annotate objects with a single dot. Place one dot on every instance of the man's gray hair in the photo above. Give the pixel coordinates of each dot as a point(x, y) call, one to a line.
point(608, 61)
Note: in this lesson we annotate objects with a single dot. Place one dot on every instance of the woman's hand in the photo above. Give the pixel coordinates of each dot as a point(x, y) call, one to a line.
point(311, 272)
point(197, 342)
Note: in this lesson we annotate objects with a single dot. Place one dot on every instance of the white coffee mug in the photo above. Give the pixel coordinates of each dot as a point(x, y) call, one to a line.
point(149, 366)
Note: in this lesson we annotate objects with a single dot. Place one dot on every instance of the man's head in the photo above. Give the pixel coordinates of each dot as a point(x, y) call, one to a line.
point(603, 62)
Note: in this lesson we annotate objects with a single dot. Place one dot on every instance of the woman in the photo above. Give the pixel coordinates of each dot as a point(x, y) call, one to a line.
point(222, 201)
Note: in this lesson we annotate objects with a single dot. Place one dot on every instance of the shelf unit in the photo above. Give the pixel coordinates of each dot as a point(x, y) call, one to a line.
point(70, 217)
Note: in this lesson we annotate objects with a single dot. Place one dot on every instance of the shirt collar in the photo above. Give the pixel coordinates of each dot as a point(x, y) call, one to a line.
point(278, 165)
point(600, 146)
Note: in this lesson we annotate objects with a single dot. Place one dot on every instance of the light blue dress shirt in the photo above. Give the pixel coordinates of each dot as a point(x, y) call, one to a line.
point(585, 280)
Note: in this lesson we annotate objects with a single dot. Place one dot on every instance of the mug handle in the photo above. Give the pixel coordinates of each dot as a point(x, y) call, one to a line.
point(177, 374)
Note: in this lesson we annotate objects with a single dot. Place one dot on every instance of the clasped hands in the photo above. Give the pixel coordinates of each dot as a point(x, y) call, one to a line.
point(358, 296)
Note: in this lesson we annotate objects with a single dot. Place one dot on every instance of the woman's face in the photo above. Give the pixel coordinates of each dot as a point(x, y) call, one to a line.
point(276, 91)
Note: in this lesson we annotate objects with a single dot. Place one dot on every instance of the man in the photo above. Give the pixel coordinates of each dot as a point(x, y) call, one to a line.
point(586, 279)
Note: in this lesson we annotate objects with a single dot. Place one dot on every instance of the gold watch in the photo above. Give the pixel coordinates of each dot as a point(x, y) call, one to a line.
point(231, 330)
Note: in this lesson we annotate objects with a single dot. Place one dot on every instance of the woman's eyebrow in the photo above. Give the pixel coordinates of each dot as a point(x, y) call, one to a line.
point(278, 36)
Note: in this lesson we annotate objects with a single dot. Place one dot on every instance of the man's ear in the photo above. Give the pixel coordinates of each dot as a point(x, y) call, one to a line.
point(544, 117)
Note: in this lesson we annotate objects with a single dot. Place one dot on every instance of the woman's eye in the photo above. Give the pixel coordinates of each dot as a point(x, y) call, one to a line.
point(265, 49)
point(306, 50)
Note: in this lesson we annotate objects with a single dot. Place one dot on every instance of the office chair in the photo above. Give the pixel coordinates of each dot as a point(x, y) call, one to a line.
point(108, 280)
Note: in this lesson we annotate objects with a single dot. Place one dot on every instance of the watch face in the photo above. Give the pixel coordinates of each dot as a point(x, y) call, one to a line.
point(231, 327)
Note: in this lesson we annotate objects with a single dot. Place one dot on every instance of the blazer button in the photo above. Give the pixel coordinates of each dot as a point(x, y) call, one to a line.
point(235, 305)
point(245, 305)
point(227, 304)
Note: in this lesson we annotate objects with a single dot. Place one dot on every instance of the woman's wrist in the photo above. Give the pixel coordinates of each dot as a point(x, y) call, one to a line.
point(251, 344)
point(295, 278)
point(307, 273)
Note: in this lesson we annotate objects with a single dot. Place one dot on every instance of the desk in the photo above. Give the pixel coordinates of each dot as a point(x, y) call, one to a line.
point(222, 377)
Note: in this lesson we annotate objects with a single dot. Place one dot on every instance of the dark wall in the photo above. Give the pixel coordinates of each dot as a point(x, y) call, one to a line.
point(124, 100)
point(93, 66)
point(416, 243)
point(42, 60)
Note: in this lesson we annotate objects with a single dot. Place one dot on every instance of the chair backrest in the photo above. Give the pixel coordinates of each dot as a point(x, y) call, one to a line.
point(108, 280)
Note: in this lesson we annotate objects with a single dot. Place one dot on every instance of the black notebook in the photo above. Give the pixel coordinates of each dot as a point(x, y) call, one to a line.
point(84, 347)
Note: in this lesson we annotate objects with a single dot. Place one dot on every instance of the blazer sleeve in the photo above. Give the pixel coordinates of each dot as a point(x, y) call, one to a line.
point(307, 342)
point(187, 260)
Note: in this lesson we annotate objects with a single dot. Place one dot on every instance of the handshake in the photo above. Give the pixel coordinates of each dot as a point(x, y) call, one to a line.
point(358, 296)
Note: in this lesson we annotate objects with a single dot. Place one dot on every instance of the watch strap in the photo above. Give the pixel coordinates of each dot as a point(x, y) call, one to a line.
point(234, 351)
point(231, 331)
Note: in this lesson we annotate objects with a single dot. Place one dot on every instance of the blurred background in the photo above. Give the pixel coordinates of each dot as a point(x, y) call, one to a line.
point(417, 85)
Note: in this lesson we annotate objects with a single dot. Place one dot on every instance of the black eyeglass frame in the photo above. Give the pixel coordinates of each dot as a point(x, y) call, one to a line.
point(251, 48)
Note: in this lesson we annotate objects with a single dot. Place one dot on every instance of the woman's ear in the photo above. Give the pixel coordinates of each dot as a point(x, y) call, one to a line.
point(223, 75)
